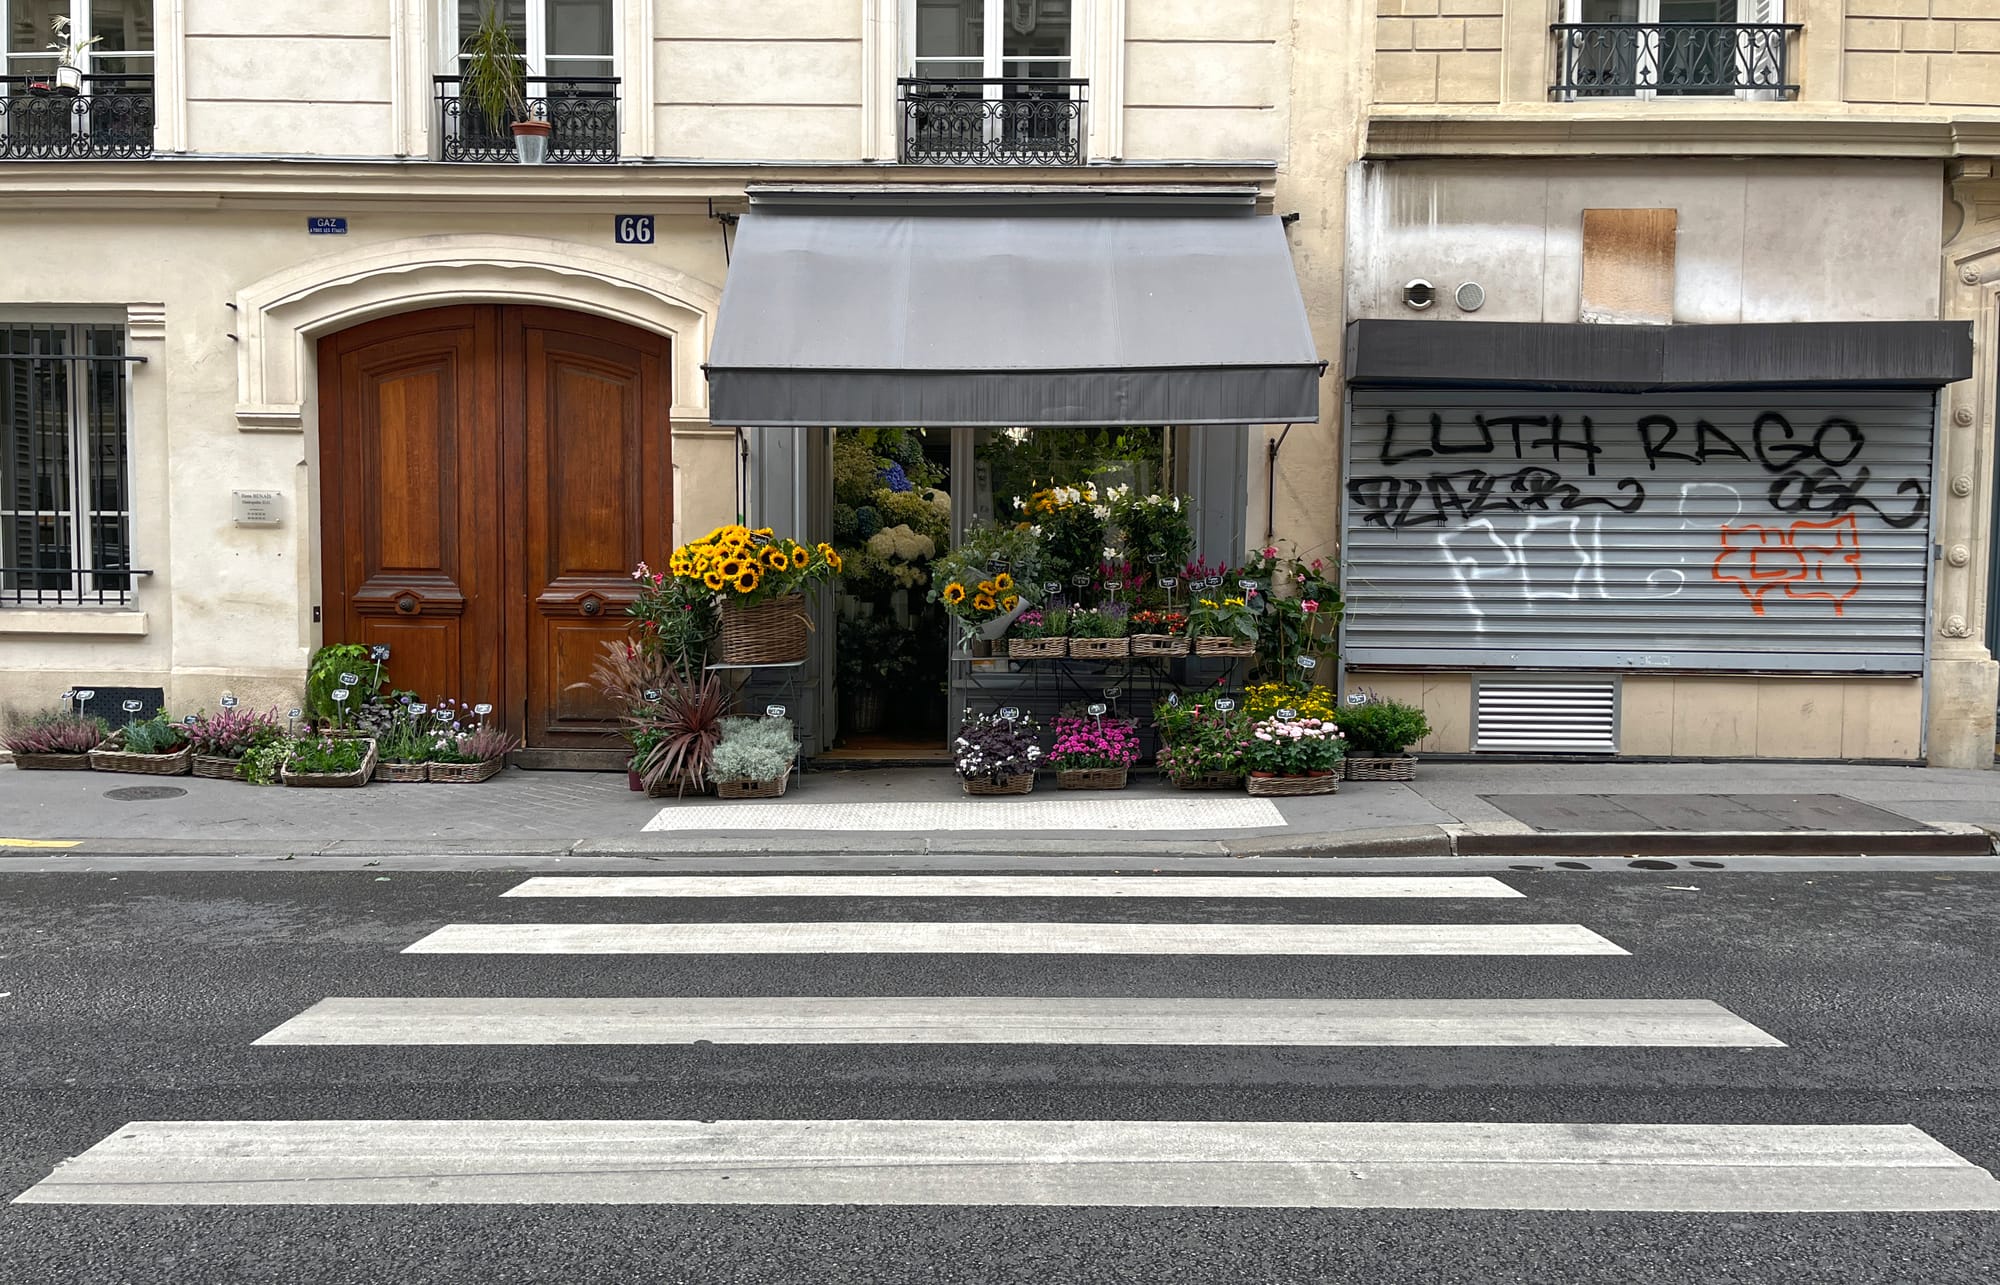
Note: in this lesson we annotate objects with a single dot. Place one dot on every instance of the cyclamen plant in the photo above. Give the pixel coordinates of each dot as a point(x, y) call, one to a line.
point(1094, 743)
point(993, 748)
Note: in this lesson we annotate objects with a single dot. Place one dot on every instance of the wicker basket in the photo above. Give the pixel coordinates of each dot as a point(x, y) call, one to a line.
point(333, 780)
point(1091, 778)
point(1037, 648)
point(1021, 783)
point(216, 767)
point(1384, 767)
point(1099, 648)
point(52, 762)
point(1215, 645)
point(772, 789)
point(1159, 644)
point(1209, 781)
point(1277, 787)
point(466, 773)
point(108, 757)
point(402, 772)
point(766, 633)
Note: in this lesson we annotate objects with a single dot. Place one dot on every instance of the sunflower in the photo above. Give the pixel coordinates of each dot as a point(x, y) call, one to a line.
point(833, 560)
point(800, 558)
point(984, 602)
point(775, 558)
point(714, 580)
point(987, 586)
point(730, 568)
point(954, 593)
point(747, 582)
point(1002, 582)
point(1010, 602)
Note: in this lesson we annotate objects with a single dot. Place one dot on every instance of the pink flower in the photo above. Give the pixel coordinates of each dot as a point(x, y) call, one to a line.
point(1309, 606)
point(1271, 552)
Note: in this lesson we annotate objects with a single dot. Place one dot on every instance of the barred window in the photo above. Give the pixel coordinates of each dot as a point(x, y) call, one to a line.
point(65, 486)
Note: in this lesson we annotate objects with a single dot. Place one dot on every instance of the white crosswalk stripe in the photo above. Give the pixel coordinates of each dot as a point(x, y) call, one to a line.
point(1615, 1166)
point(853, 937)
point(1685, 1168)
point(1023, 1020)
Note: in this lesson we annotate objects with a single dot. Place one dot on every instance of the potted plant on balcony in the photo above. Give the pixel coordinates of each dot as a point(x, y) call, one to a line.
point(68, 51)
point(494, 81)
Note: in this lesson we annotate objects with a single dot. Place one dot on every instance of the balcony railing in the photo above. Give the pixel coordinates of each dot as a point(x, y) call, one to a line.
point(1013, 121)
point(582, 112)
point(1673, 60)
point(110, 118)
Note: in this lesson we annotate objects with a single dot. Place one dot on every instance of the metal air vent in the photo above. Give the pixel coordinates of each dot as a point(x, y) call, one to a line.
point(1545, 716)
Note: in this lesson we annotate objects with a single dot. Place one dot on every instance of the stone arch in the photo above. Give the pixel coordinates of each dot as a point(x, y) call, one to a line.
point(283, 315)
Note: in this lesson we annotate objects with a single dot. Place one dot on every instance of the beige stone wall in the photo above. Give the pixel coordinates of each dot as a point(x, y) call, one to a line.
point(1438, 51)
point(1929, 52)
point(1719, 716)
point(776, 80)
point(1205, 81)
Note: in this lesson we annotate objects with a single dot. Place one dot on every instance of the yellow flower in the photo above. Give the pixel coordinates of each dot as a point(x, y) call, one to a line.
point(833, 559)
point(954, 593)
point(987, 586)
point(1010, 602)
point(1002, 582)
point(714, 580)
point(800, 558)
point(775, 558)
point(730, 568)
point(984, 602)
point(762, 530)
point(747, 582)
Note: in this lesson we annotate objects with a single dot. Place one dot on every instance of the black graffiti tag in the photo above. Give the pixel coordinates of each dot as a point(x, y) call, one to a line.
point(1397, 503)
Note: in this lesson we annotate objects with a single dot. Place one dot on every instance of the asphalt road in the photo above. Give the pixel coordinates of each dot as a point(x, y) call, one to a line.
point(137, 996)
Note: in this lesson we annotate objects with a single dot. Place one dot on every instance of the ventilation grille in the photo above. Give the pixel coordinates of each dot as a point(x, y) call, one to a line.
point(1542, 717)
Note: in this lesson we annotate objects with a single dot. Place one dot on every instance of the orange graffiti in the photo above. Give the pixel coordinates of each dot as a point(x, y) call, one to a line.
point(1806, 560)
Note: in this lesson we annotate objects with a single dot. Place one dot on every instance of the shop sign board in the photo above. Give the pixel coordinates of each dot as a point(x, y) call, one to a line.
point(1511, 528)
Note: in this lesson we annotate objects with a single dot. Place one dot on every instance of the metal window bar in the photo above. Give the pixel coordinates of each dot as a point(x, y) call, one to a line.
point(582, 112)
point(1672, 59)
point(1013, 120)
point(111, 119)
point(65, 497)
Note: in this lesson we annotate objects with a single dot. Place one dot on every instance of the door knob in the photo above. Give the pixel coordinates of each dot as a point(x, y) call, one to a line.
point(406, 605)
point(592, 606)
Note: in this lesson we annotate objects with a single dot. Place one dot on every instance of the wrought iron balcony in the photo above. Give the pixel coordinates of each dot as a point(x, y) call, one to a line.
point(1012, 121)
point(110, 118)
point(582, 112)
point(1673, 59)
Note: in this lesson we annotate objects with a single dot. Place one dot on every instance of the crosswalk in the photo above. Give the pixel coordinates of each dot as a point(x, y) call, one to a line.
point(1303, 1164)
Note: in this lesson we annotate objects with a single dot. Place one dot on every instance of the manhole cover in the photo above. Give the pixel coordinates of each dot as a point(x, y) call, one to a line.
point(141, 793)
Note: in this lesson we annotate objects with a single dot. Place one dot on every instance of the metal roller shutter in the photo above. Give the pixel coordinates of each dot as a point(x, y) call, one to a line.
point(1787, 530)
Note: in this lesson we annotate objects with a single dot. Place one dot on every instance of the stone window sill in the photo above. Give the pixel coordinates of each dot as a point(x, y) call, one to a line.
point(72, 621)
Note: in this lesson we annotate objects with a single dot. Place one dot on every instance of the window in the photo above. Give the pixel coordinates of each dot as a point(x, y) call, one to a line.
point(101, 105)
point(992, 82)
point(569, 50)
point(1673, 49)
point(65, 493)
point(122, 31)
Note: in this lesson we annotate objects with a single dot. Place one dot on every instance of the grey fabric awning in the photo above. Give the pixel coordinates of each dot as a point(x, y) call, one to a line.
point(851, 317)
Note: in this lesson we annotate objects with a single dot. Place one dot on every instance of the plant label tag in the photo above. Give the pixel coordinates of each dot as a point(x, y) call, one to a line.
point(1156, 557)
point(482, 709)
point(652, 694)
point(1009, 714)
point(1095, 711)
point(1308, 663)
point(1052, 586)
point(379, 652)
point(1247, 586)
point(69, 695)
point(188, 721)
point(341, 694)
point(86, 693)
point(133, 707)
point(1173, 698)
point(417, 711)
point(774, 711)
point(349, 680)
point(1168, 582)
point(294, 714)
point(1357, 699)
point(1111, 693)
point(1287, 715)
point(229, 702)
point(1080, 579)
point(1225, 705)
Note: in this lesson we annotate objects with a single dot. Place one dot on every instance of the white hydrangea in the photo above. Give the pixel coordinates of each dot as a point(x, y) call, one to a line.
point(901, 543)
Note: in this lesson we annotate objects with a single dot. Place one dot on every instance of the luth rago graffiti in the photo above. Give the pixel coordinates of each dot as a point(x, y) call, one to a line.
point(1557, 476)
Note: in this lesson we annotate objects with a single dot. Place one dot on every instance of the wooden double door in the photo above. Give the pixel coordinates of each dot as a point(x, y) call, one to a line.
point(489, 477)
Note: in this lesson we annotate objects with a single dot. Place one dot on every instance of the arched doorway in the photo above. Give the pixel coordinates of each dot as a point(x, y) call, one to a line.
point(489, 475)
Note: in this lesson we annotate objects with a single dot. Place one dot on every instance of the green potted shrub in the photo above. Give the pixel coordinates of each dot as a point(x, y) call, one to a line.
point(1381, 733)
point(155, 746)
point(1099, 633)
point(1222, 626)
point(754, 758)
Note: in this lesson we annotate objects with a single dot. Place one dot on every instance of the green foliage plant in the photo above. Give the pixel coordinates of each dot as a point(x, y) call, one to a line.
point(260, 766)
point(326, 754)
point(1155, 530)
point(688, 720)
point(323, 676)
point(156, 735)
point(754, 749)
point(495, 76)
point(1383, 727)
point(1223, 617)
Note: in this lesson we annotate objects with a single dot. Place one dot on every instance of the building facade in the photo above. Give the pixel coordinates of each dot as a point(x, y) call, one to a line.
point(294, 351)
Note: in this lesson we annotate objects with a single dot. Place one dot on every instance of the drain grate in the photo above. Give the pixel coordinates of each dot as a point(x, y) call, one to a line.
point(142, 793)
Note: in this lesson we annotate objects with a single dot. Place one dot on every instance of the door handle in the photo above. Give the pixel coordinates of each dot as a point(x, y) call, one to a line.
point(592, 606)
point(406, 605)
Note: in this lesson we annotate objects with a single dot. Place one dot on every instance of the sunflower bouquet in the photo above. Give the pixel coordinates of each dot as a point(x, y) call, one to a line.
point(974, 589)
point(746, 567)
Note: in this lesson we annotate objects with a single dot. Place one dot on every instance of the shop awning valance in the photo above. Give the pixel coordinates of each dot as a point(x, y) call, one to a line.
point(945, 318)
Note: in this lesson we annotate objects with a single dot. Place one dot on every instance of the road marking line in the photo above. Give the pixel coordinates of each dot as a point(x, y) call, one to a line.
point(989, 938)
point(1634, 1023)
point(1657, 1167)
point(39, 843)
point(1473, 886)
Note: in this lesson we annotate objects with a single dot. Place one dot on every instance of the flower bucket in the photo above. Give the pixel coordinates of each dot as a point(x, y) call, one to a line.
point(766, 633)
point(1269, 787)
point(1383, 767)
point(1021, 783)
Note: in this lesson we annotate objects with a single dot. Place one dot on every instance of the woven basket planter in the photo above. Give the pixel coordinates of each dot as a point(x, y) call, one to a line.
point(52, 762)
point(772, 789)
point(465, 773)
point(1159, 644)
point(768, 633)
point(1209, 781)
point(402, 772)
point(1037, 648)
point(216, 767)
point(1215, 645)
point(1388, 767)
point(332, 780)
point(109, 758)
point(1021, 783)
point(1092, 778)
point(1278, 787)
point(1099, 648)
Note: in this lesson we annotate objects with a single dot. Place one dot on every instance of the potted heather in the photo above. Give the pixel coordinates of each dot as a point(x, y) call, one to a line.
point(1039, 634)
point(754, 758)
point(997, 753)
point(1093, 752)
point(472, 755)
point(1288, 755)
point(1381, 733)
point(1099, 633)
point(1223, 626)
point(155, 746)
point(220, 740)
point(55, 741)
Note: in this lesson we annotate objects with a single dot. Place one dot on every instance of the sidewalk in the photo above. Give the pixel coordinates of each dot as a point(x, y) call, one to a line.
point(1454, 809)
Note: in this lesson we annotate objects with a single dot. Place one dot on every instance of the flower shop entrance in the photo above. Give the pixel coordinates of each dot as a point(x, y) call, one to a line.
point(489, 475)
